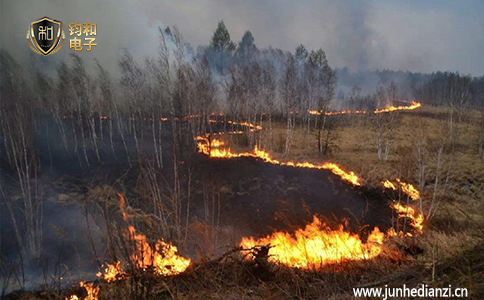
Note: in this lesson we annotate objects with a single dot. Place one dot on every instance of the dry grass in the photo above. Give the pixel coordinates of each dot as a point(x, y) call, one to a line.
point(452, 243)
point(455, 235)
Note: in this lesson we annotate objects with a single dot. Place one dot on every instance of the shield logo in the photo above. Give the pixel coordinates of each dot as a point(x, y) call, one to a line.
point(45, 35)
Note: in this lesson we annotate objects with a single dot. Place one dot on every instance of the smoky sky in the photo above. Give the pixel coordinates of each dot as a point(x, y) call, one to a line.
point(419, 36)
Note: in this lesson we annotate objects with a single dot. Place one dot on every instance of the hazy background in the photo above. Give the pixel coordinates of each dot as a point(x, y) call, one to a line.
point(418, 36)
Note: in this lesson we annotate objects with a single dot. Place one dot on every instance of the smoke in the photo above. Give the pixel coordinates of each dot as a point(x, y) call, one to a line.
point(360, 35)
point(409, 36)
point(445, 36)
point(339, 27)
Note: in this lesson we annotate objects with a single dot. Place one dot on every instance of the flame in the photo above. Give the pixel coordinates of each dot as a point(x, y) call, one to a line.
point(413, 105)
point(246, 124)
point(409, 189)
point(406, 188)
point(334, 113)
point(163, 257)
point(213, 150)
point(405, 211)
point(389, 185)
point(112, 272)
point(92, 291)
point(317, 245)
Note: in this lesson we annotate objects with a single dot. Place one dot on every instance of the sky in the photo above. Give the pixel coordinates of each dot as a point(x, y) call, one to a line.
point(408, 35)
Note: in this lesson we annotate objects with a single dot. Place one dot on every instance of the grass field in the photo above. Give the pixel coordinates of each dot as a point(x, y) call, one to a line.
point(450, 250)
point(453, 240)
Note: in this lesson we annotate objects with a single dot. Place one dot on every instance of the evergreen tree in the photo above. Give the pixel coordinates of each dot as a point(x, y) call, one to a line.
point(221, 39)
point(301, 53)
point(247, 48)
point(318, 58)
point(222, 46)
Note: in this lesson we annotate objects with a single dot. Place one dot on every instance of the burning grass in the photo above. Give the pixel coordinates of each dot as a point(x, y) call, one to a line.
point(289, 257)
point(317, 245)
point(391, 108)
point(236, 278)
point(313, 247)
point(162, 258)
point(213, 148)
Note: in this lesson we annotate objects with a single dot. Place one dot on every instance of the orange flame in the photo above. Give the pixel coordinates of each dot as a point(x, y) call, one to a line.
point(92, 291)
point(112, 272)
point(406, 188)
point(311, 247)
point(389, 185)
point(335, 113)
point(413, 105)
point(246, 124)
point(317, 245)
point(163, 258)
point(405, 211)
point(214, 151)
point(410, 190)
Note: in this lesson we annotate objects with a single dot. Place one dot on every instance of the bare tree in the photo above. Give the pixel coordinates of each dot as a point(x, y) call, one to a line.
point(204, 95)
point(384, 124)
point(17, 115)
point(108, 103)
point(355, 102)
point(288, 92)
point(328, 83)
point(433, 164)
point(269, 86)
point(133, 81)
point(456, 93)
